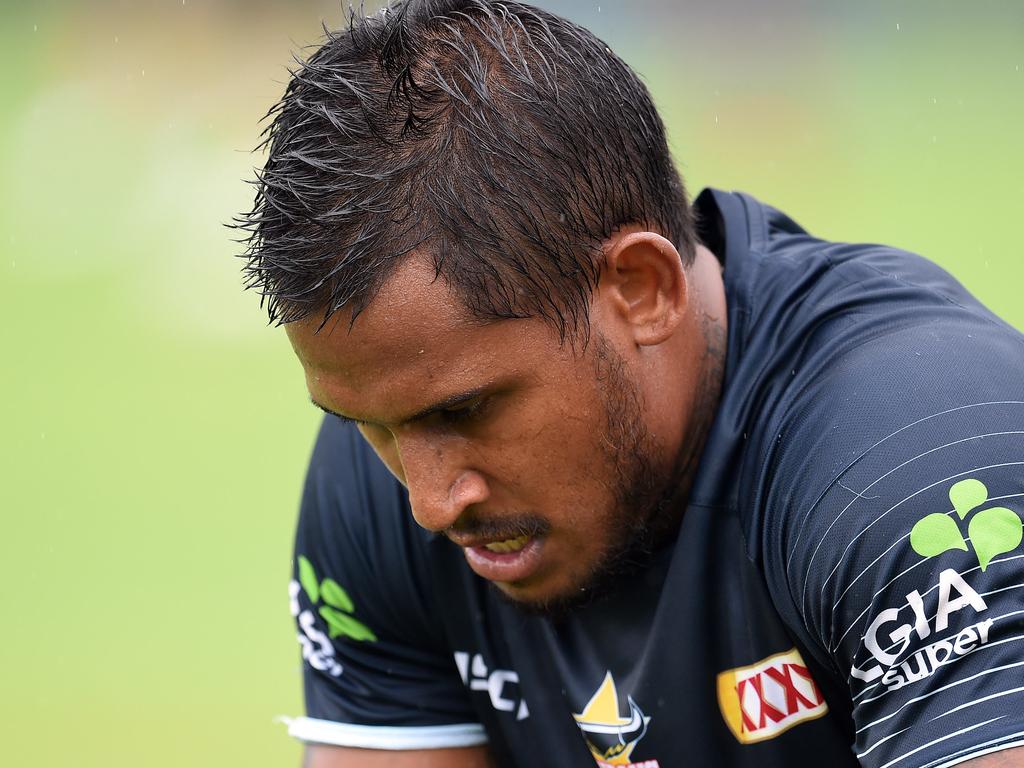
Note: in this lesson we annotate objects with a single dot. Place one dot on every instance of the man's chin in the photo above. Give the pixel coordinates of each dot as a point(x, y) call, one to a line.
point(555, 602)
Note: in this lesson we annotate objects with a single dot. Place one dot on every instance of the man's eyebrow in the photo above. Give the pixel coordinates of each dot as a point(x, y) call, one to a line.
point(452, 401)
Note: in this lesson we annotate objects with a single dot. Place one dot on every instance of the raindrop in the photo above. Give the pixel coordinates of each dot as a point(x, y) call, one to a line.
point(35, 27)
point(897, 26)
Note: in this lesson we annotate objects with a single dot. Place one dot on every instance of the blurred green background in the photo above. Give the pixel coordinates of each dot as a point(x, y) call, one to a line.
point(155, 430)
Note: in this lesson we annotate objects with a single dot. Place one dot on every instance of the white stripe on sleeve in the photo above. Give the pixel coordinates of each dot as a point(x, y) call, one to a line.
point(316, 731)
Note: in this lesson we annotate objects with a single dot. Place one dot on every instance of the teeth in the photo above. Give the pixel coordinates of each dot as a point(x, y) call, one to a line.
point(509, 545)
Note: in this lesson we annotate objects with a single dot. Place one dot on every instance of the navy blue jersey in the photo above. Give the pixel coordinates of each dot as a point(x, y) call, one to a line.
point(847, 584)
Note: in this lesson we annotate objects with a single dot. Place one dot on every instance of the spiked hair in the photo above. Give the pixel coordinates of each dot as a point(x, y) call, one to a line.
point(500, 141)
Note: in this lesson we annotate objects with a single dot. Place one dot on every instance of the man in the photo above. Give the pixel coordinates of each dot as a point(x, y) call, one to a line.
point(610, 477)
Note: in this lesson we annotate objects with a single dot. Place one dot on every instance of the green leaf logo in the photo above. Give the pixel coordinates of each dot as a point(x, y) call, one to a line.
point(338, 606)
point(967, 495)
point(339, 623)
point(992, 531)
point(307, 578)
point(935, 534)
point(336, 596)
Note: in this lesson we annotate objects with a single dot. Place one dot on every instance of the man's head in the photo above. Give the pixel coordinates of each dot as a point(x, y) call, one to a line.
point(471, 226)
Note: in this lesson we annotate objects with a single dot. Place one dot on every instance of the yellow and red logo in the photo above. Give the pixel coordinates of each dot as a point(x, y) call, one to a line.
point(610, 735)
point(764, 699)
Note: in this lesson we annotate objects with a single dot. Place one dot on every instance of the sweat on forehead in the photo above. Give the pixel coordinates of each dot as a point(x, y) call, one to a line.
point(501, 139)
point(415, 323)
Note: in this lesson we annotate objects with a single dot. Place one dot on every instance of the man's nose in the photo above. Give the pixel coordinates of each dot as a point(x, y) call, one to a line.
point(441, 485)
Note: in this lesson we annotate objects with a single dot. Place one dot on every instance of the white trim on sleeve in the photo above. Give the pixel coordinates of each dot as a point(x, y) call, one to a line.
point(316, 731)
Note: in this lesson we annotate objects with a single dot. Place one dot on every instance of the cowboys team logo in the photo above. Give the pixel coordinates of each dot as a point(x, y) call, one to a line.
point(610, 736)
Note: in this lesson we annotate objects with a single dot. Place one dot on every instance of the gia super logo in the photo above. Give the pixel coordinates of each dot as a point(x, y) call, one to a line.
point(991, 531)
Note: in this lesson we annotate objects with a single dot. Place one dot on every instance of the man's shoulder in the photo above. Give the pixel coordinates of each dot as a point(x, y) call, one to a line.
point(892, 389)
point(355, 525)
point(779, 274)
point(876, 441)
point(893, 489)
point(833, 346)
point(896, 376)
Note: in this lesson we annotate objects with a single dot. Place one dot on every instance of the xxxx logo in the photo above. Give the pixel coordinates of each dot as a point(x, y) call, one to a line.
point(992, 531)
point(337, 605)
point(762, 700)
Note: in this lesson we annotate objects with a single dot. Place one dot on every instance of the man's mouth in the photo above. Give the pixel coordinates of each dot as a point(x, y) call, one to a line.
point(505, 560)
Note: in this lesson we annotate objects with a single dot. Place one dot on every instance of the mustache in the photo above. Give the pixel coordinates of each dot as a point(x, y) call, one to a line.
point(502, 528)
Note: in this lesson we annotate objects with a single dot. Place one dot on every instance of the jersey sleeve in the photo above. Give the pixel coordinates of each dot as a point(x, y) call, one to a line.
point(893, 540)
point(376, 670)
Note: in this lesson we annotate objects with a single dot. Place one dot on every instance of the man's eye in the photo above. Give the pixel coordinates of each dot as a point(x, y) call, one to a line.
point(463, 413)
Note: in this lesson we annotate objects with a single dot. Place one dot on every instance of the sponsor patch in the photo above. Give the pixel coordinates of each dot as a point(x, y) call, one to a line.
point(764, 699)
point(500, 685)
point(887, 648)
point(335, 607)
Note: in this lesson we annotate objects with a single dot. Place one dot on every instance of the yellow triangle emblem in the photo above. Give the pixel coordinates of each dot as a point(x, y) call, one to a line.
point(603, 707)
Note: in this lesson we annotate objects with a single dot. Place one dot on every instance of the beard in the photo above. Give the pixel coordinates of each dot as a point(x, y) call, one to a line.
point(649, 488)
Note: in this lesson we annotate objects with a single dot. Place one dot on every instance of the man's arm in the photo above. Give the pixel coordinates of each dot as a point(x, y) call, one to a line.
point(319, 756)
point(899, 561)
point(377, 672)
point(1010, 758)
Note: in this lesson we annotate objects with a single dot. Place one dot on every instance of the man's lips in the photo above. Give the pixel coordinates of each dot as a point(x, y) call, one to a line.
point(505, 566)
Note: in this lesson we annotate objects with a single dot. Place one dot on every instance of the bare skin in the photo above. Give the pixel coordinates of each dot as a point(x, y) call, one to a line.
point(1010, 758)
point(341, 757)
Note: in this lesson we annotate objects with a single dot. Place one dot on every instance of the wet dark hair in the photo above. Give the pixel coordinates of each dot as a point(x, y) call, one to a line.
point(499, 140)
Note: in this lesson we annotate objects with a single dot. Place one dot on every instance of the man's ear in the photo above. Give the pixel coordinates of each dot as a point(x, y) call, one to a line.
point(645, 284)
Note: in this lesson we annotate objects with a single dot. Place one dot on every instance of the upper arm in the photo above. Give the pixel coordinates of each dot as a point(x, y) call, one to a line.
point(1010, 758)
point(377, 670)
point(318, 756)
point(899, 498)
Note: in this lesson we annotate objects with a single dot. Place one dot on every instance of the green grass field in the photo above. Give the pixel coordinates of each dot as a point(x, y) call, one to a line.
point(155, 430)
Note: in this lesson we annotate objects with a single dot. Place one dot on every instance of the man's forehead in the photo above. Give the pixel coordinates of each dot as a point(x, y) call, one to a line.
point(412, 307)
